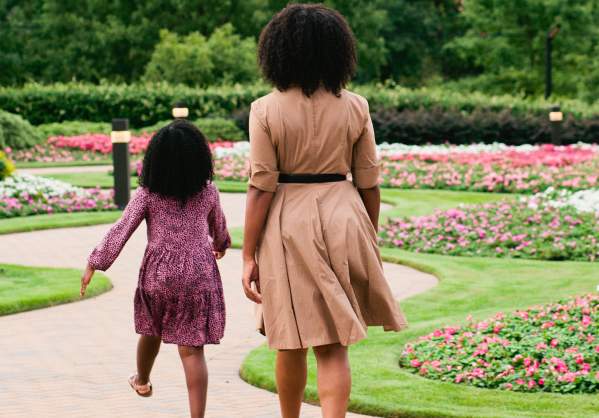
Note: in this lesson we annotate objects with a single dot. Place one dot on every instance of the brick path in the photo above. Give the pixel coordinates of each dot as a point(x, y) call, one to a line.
point(73, 360)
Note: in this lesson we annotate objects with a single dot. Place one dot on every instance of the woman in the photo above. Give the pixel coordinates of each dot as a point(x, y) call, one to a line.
point(310, 234)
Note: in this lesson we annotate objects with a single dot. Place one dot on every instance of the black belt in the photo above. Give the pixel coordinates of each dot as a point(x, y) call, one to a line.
point(310, 178)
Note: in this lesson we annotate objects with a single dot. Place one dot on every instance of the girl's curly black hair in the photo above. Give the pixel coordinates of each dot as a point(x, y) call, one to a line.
point(307, 46)
point(178, 161)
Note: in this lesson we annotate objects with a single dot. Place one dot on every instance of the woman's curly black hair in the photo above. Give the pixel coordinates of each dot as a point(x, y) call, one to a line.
point(178, 161)
point(307, 46)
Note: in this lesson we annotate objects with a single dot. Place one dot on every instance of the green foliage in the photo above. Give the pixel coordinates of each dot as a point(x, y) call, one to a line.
point(506, 40)
point(70, 128)
point(16, 132)
point(95, 40)
point(7, 167)
point(437, 125)
point(143, 104)
point(220, 128)
point(146, 104)
point(199, 61)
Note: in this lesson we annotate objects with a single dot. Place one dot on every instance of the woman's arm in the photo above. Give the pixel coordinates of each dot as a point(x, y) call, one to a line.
point(372, 201)
point(257, 206)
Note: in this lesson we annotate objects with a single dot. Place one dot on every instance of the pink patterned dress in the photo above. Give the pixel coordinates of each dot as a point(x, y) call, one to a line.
point(179, 296)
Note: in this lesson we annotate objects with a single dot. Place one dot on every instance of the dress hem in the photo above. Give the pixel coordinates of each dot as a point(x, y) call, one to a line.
point(172, 341)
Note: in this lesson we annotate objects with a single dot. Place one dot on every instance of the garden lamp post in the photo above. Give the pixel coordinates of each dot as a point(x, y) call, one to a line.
point(120, 137)
point(180, 110)
point(548, 62)
point(555, 119)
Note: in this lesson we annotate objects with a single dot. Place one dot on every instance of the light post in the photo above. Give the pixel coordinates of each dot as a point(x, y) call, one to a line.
point(120, 137)
point(180, 110)
point(548, 59)
point(555, 119)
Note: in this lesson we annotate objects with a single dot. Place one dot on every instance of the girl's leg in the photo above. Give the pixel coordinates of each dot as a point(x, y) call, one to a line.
point(147, 350)
point(291, 374)
point(334, 379)
point(196, 377)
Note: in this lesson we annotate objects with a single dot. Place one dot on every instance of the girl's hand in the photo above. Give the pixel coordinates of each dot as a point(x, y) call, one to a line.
point(219, 254)
point(250, 274)
point(86, 278)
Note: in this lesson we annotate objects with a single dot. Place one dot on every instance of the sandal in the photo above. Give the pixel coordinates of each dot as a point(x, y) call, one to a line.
point(141, 390)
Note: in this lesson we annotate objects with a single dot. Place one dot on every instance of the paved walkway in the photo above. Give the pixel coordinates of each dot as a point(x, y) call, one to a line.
point(73, 360)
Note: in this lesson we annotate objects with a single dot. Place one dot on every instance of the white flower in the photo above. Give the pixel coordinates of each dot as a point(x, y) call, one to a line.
point(21, 184)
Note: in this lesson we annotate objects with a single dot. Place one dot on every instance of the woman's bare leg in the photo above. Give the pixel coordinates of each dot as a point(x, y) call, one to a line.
point(147, 350)
point(291, 374)
point(196, 377)
point(334, 379)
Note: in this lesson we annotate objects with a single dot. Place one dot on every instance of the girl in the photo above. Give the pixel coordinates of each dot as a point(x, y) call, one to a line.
point(310, 234)
point(179, 298)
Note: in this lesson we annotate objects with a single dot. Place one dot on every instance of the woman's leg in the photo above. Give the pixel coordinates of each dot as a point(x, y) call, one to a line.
point(291, 374)
point(147, 350)
point(196, 377)
point(334, 379)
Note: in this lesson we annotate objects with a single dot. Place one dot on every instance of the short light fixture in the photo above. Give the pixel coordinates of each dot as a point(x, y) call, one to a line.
point(180, 110)
point(555, 114)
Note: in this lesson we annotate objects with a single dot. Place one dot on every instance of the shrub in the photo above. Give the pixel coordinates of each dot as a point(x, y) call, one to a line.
point(16, 132)
point(196, 61)
point(143, 104)
point(6, 166)
point(439, 125)
point(399, 114)
point(220, 129)
point(72, 128)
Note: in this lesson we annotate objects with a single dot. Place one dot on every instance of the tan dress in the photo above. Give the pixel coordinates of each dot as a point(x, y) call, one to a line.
point(321, 276)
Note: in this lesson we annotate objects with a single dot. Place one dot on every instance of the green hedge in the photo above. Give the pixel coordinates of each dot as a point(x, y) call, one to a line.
point(16, 132)
point(146, 104)
point(438, 125)
point(213, 128)
point(142, 104)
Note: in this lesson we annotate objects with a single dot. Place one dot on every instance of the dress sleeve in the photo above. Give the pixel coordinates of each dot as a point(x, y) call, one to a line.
point(217, 224)
point(264, 171)
point(115, 239)
point(365, 165)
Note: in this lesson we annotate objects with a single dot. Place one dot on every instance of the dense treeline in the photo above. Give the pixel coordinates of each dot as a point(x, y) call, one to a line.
point(494, 46)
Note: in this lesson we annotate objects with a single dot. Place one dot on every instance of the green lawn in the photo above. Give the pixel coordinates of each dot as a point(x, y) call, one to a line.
point(56, 220)
point(105, 181)
point(27, 288)
point(475, 286)
point(39, 164)
point(88, 180)
point(410, 202)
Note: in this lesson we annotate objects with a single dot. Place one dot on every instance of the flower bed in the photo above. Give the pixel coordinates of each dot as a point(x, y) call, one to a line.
point(87, 147)
point(551, 348)
point(22, 195)
point(582, 200)
point(533, 228)
point(490, 168)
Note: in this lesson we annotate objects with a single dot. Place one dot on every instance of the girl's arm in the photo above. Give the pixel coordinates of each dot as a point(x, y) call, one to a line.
point(217, 224)
point(102, 257)
point(257, 206)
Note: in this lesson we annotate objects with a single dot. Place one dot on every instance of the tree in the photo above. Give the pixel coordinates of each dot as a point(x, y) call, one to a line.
point(224, 57)
point(506, 39)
